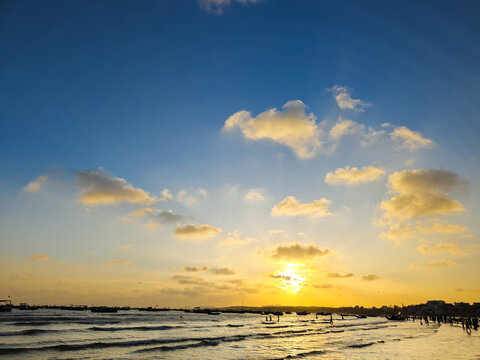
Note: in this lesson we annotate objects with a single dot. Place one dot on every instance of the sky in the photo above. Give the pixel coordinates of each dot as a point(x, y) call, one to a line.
point(239, 152)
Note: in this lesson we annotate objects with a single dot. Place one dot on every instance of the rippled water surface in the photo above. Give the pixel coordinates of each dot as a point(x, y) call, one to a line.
point(56, 334)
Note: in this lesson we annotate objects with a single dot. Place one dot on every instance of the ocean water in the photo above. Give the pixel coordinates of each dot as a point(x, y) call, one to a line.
point(57, 334)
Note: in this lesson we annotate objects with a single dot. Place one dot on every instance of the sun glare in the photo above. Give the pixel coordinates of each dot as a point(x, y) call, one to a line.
point(292, 281)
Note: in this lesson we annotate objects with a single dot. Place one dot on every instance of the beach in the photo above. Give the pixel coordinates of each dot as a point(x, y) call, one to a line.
point(59, 334)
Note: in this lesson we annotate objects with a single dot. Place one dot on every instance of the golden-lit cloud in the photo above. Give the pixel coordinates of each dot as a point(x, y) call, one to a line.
point(235, 238)
point(296, 251)
point(450, 248)
point(166, 195)
point(255, 195)
point(121, 262)
point(98, 187)
point(435, 264)
point(421, 193)
point(323, 286)
point(370, 277)
point(351, 176)
point(292, 207)
point(156, 217)
point(412, 140)
point(441, 228)
point(345, 127)
point(399, 232)
point(345, 101)
point(35, 185)
point(195, 268)
point(336, 275)
point(189, 279)
point(196, 232)
point(291, 127)
point(222, 271)
point(39, 257)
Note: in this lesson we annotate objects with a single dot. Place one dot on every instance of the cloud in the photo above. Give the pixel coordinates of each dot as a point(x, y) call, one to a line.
point(235, 238)
point(292, 207)
point(339, 276)
point(125, 247)
point(191, 197)
point(98, 187)
point(370, 277)
point(166, 195)
point(188, 279)
point(156, 217)
point(345, 127)
point(217, 7)
point(291, 127)
point(296, 251)
point(450, 248)
point(39, 257)
point(222, 271)
point(254, 195)
point(35, 185)
point(435, 264)
point(351, 176)
point(196, 232)
point(421, 193)
point(412, 140)
point(399, 232)
point(345, 101)
point(121, 262)
point(441, 228)
point(323, 286)
point(195, 268)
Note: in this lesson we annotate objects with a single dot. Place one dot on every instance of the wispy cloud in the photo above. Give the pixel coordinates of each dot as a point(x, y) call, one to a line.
point(412, 140)
point(195, 269)
point(345, 101)
point(192, 196)
point(121, 262)
point(39, 257)
point(336, 275)
point(255, 195)
point(218, 7)
point(450, 248)
point(222, 271)
point(235, 238)
point(435, 264)
point(35, 185)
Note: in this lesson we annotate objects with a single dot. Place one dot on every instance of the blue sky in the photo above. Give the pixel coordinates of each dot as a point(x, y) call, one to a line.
point(143, 89)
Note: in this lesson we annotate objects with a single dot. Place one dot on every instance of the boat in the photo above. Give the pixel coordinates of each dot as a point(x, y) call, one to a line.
point(396, 318)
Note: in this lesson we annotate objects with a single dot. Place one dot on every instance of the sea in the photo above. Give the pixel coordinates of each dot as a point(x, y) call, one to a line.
point(133, 334)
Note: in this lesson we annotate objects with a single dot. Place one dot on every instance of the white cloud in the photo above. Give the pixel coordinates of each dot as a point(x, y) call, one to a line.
point(351, 176)
point(97, 187)
point(196, 232)
point(345, 101)
point(166, 195)
point(35, 185)
point(192, 196)
point(292, 207)
point(412, 140)
point(255, 195)
point(291, 127)
point(345, 127)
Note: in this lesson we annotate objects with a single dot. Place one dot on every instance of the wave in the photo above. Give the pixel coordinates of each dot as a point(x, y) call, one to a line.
point(366, 344)
point(235, 325)
point(61, 321)
point(27, 332)
point(305, 354)
point(136, 328)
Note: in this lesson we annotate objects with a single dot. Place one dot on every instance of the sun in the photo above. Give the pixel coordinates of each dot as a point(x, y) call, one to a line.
point(292, 281)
